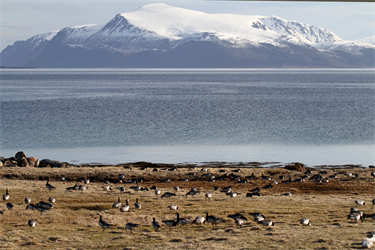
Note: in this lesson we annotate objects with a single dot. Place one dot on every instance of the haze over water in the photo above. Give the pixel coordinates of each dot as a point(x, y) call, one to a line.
point(188, 115)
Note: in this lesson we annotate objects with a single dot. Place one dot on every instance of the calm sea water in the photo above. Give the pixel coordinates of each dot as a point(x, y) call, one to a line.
point(174, 116)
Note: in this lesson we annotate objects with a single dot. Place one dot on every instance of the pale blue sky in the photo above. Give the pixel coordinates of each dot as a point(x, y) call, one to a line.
point(22, 19)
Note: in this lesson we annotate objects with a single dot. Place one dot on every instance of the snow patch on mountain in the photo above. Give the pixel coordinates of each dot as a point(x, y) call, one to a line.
point(38, 39)
point(305, 33)
point(352, 47)
point(119, 35)
point(177, 23)
point(75, 36)
point(370, 40)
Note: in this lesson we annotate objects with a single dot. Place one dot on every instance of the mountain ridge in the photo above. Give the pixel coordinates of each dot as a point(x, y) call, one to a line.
point(168, 37)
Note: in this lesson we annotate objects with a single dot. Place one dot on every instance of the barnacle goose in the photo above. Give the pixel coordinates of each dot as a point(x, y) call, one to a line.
point(103, 224)
point(212, 219)
point(130, 226)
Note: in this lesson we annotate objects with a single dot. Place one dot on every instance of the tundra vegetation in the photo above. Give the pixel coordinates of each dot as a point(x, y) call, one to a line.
point(72, 223)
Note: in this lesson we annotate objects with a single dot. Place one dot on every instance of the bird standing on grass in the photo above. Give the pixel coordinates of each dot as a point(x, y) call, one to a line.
point(155, 224)
point(238, 219)
point(167, 195)
point(103, 224)
point(200, 220)
point(287, 181)
point(87, 180)
point(49, 186)
point(107, 187)
point(305, 222)
point(360, 202)
point(9, 206)
point(75, 187)
point(157, 191)
point(233, 194)
point(27, 200)
point(238, 222)
point(356, 215)
point(212, 219)
point(182, 221)
point(125, 207)
point(258, 216)
point(6, 195)
point(367, 242)
point(42, 207)
point(237, 215)
point(117, 204)
point(192, 192)
point(31, 223)
point(287, 194)
point(32, 206)
point(208, 195)
point(170, 223)
point(267, 222)
point(137, 205)
point(130, 226)
point(173, 207)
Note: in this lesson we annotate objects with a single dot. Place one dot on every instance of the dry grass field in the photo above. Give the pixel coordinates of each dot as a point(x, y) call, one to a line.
point(73, 221)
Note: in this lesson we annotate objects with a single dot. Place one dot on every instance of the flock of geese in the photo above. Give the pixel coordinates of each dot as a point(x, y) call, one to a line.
point(41, 206)
point(239, 219)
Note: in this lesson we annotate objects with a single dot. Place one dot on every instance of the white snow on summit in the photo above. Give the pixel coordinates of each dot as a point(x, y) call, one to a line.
point(370, 40)
point(177, 23)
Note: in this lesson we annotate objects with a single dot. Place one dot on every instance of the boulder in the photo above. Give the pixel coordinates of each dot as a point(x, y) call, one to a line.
point(24, 163)
point(50, 163)
point(20, 156)
point(295, 167)
point(10, 162)
point(33, 162)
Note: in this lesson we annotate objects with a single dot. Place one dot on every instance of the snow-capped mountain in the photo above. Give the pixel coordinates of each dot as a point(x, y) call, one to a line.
point(305, 33)
point(158, 35)
point(23, 51)
point(76, 35)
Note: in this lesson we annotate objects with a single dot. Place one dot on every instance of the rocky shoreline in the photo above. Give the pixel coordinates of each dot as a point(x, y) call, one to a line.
point(20, 160)
point(304, 179)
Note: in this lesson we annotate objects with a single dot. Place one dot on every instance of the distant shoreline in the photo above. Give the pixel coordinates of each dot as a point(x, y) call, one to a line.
point(5, 67)
point(50, 163)
point(198, 68)
point(236, 156)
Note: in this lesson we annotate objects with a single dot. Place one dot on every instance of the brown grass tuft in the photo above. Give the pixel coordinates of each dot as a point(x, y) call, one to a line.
point(216, 239)
point(178, 240)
